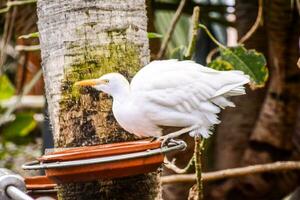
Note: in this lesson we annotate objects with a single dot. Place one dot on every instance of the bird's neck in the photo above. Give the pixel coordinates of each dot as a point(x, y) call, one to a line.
point(122, 95)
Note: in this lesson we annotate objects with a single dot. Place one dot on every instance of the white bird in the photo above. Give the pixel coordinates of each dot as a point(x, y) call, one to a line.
point(170, 93)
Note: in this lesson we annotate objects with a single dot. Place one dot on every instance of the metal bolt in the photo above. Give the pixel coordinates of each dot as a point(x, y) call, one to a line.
point(12, 186)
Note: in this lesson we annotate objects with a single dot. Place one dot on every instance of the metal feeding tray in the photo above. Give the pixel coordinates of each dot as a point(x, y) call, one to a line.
point(108, 161)
point(40, 186)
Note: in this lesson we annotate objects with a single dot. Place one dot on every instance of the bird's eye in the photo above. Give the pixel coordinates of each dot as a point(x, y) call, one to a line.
point(106, 81)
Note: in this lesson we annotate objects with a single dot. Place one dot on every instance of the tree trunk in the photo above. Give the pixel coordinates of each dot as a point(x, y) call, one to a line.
point(85, 39)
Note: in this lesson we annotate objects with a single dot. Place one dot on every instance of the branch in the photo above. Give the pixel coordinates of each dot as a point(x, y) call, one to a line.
point(171, 29)
point(234, 172)
point(27, 101)
point(28, 48)
point(10, 4)
point(6, 117)
point(256, 23)
point(192, 44)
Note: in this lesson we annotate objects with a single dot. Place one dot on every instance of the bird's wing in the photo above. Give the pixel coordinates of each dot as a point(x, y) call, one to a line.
point(184, 78)
point(141, 80)
point(184, 86)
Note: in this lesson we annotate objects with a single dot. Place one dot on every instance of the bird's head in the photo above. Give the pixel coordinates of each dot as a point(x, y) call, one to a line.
point(112, 84)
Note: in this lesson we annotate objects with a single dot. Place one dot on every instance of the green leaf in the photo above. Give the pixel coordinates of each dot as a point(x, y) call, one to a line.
point(18, 130)
point(6, 88)
point(30, 35)
point(178, 53)
point(152, 35)
point(249, 61)
point(221, 65)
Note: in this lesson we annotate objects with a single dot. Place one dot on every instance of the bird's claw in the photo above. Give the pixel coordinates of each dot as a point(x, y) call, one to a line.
point(154, 139)
point(162, 139)
point(165, 141)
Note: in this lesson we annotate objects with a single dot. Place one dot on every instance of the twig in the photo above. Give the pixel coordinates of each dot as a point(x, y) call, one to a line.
point(234, 172)
point(6, 117)
point(5, 38)
point(10, 4)
point(171, 165)
point(11, 25)
point(10, 50)
point(256, 23)
point(28, 48)
point(171, 29)
point(192, 44)
point(198, 166)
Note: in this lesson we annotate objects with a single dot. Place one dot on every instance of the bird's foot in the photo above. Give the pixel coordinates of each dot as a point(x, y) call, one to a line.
point(168, 141)
point(164, 140)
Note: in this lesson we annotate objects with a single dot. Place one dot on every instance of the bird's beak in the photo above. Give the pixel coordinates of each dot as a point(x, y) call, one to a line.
point(90, 82)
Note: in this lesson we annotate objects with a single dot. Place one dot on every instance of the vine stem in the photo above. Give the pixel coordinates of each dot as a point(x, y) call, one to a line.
point(171, 29)
point(198, 166)
point(192, 43)
point(211, 36)
point(256, 23)
point(171, 165)
point(247, 35)
point(211, 54)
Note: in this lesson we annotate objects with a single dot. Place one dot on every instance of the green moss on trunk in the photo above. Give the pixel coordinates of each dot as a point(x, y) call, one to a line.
point(96, 61)
point(83, 107)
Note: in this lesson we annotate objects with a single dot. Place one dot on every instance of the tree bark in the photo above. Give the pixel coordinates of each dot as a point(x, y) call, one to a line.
point(85, 39)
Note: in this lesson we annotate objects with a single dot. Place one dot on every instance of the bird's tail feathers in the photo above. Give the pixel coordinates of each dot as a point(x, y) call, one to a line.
point(240, 90)
point(246, 76)
point(204, 132)
point(212, 118)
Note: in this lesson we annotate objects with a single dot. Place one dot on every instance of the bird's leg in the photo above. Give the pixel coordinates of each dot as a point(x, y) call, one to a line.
point(154, 138)
point(169, 136)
